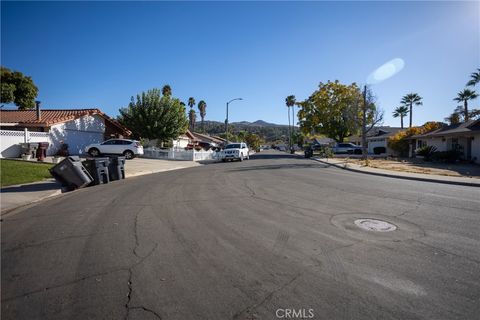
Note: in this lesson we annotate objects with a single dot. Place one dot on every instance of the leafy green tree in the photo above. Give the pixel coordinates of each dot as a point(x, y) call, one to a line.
point(167, 91)
point(202, 107)
point(475, 78)
point(152, 116)
point(253, 141)
point(464, 96)
point(231, 137)
point(335, 110)
point(290, 102)
point(410, 100)
point(18, 89)
point(242, 136)
point(401, 112)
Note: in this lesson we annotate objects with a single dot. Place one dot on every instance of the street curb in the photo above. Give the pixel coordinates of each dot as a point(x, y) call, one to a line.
point(458, 183)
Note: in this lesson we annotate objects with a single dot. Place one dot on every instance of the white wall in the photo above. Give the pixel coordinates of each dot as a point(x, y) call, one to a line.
point(10, 140)
point(436, 142)
point(476, 147)
point(181, 142)
point(172, 154)
point(376, 143)
point(78, 133)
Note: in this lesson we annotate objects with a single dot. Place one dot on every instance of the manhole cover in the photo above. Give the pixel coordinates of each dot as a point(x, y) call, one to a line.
point(375, 225)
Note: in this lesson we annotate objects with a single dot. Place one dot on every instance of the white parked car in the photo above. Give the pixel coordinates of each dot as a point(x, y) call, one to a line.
point(125, 147)
point(234, 151)
point(347, 148)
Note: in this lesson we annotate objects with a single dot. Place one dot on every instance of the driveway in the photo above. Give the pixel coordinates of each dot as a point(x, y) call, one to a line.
point(246, 240)
point(141, 166)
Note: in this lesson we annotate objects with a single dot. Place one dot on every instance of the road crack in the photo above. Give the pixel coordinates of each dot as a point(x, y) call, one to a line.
point(266, 298)
point(141, 259)
point(75, 281)
point(146, 310)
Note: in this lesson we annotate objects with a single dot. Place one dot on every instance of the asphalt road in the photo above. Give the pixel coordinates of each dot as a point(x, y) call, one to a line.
point(261, 239)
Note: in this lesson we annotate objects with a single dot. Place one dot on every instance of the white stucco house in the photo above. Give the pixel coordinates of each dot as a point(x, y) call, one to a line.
point(377, 137)
point(463, 137)
point(75, 127)
point(184, 141)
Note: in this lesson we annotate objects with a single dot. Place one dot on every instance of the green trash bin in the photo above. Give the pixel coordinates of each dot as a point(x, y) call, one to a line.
point(71, 173)
point(98, 169)
point(116, 168)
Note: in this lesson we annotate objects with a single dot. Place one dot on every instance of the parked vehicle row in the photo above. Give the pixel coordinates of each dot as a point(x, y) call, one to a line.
point(324, 150)
point(349, 148)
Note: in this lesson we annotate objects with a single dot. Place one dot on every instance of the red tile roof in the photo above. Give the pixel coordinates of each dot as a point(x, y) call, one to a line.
point(50, 117)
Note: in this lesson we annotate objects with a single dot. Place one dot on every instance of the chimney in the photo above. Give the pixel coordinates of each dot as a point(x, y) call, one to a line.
point(39, 113)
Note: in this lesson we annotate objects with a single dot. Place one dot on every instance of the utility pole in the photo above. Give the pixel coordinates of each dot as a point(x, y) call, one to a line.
point(226, 120)
point(364, 125)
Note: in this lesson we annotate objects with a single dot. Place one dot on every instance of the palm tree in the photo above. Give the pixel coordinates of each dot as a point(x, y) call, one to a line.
point(475, 78)
point(191, 102)
point(454, 118)
point(202, 107)
point(401, 112)
point(290, 102)
point(464, 96)
point(410, 100)
point(192, 118)
point(166, 91)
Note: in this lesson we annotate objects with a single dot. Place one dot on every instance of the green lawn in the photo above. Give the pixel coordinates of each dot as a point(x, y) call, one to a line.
point(18, 172)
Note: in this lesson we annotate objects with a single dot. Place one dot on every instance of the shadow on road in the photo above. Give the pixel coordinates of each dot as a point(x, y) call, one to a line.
point(281, 166)
point(272, 156)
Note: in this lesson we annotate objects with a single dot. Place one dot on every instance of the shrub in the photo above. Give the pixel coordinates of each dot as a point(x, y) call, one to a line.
point(379, 150)
point(450, 156)
point(426, 152)
point(399, 142)
point(431, 125)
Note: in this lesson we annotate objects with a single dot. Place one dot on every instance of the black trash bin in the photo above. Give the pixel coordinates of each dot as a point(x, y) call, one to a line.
point(71, 173)
point(98, 169)
point(116, 169)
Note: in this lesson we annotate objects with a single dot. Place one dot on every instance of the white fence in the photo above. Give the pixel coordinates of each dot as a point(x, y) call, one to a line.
point(10, 142)
point(179, 154)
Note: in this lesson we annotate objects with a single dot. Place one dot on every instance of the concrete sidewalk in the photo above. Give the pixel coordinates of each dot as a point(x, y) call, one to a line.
point(339, 163)
point(141, 166)
point(12, 197)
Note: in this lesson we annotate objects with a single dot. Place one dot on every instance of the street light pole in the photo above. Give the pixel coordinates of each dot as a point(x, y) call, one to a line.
point(226, 120)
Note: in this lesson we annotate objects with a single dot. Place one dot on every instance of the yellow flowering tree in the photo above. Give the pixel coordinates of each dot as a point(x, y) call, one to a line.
point(334, 110)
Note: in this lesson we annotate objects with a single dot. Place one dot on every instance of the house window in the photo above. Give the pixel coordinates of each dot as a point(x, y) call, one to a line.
point(421, 143)
point(455, 145)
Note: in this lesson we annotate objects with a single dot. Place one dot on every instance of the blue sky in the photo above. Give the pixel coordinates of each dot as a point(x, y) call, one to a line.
point(99, 54)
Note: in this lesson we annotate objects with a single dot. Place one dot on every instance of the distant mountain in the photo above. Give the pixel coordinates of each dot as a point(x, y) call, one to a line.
point(258, 123)
point(261, 123)
point(268, 131)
